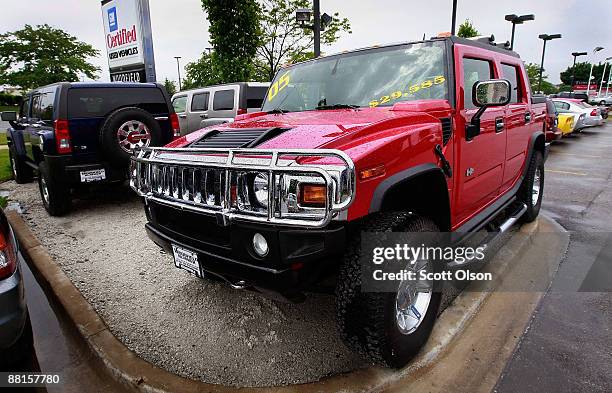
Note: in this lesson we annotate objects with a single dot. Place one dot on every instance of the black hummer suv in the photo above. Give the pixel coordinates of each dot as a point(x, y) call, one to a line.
point(75, 134)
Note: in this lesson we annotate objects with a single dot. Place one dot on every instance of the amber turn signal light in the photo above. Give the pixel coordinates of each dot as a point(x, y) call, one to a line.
point(313, 195)
point(372, 172)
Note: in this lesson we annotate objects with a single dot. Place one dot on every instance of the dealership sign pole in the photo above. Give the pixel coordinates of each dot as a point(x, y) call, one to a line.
point(129, 41)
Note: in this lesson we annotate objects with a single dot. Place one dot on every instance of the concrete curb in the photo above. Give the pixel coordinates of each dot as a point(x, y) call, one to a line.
point(141, 376)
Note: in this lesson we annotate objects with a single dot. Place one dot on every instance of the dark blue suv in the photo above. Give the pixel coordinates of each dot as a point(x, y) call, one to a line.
point(76, 134)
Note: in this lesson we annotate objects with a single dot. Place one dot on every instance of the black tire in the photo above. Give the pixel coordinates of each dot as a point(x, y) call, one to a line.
point(22, 173)
point(109, 133)
point(602, 103)
point(367, 321)
point(54, 194)
point(535, 173)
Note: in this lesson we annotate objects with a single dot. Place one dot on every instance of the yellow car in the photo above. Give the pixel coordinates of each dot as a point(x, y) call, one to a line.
point(566, 123)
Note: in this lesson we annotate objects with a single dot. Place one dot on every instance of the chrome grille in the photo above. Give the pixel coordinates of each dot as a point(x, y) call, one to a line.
point(216, 181)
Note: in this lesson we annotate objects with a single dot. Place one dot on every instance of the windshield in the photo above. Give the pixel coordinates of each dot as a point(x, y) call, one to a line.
point(377, 77)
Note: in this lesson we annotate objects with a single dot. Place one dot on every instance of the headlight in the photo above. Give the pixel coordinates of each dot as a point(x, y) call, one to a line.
point(260, 189)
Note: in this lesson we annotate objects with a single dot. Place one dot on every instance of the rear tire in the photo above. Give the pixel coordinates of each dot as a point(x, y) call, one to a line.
point(54, 194)
point(115, 133)
point(22, 173)
point(531, 190)
point(368, 322)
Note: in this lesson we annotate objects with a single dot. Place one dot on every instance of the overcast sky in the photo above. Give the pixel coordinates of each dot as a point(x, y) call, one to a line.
point(180, 27)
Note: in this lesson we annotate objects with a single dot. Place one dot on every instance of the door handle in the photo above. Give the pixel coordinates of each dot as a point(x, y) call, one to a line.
point(499, 124)
point(204, 116)
point(183, 116)
point(527, 117)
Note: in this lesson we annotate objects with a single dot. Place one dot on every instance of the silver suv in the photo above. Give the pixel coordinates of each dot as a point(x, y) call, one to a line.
point(207, 106)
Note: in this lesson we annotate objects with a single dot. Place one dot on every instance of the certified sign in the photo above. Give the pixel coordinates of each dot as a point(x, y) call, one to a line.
point(123, 33)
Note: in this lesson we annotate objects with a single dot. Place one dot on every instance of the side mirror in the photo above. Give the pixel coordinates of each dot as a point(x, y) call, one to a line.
point(8, 116)
point(485, 94)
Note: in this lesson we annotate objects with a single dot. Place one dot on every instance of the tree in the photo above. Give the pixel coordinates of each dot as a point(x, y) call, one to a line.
point(467, 30)
point(582, 73)
point(170, 86)
point(37, 56)
point(235, 35)
point(533, 73)
point(284, 40)
point(202, 72)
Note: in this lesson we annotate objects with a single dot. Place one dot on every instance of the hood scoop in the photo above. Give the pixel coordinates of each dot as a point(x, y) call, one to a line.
point(236, 138)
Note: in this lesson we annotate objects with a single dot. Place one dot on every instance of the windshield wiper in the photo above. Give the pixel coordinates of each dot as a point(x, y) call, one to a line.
point(277, 111)
point(336, 106)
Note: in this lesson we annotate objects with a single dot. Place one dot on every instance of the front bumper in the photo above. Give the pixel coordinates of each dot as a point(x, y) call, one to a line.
point(65, 168)
point(298, 260)
point(13, 309)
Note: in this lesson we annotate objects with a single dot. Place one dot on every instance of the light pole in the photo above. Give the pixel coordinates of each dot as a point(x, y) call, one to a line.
point(178, 68)
point(303, 15)
point(576, 54)
point(597, 49)
point(454, 22)
point(603, 76)
point(517, 20)
point(545, 37)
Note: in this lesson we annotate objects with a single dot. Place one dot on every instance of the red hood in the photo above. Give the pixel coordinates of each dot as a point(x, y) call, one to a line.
point(331, 128)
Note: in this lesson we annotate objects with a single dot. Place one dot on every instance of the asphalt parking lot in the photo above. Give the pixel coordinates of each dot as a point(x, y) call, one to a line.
point(566, 348)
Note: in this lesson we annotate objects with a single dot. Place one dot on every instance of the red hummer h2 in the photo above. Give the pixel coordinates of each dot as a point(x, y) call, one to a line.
point(437, 135)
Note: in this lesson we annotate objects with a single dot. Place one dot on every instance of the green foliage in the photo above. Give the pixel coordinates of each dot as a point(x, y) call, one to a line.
point(37, 56)
point(10, 100)
point(285, 41)
point(533, 73)
point(202, 72)
point(235, 35)
point(170, 86)
point(582, 73)
point(467, 30)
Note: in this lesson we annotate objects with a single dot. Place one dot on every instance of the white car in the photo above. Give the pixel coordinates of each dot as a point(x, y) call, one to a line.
point(592, 114)
point(601, 100)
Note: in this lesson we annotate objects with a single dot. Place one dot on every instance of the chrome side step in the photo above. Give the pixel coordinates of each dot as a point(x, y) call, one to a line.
point(503, 228)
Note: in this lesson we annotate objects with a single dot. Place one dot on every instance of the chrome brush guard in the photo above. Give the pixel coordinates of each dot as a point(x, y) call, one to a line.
point(219, 182)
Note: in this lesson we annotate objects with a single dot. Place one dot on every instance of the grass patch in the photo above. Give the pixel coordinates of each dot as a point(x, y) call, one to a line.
point(2, 138)
point(5, 166)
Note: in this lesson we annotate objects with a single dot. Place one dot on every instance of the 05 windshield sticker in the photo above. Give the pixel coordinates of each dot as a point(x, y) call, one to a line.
point(412, 90)
point(278, 86)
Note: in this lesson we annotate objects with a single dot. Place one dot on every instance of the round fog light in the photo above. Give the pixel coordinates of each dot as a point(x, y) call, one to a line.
point(260, 245)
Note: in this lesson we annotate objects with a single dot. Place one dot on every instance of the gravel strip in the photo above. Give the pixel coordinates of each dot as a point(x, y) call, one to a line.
point(195, 328)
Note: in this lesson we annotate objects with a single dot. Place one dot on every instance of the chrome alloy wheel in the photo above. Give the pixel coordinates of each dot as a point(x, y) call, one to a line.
point(535, 191)
point(133, 134)
point(413, 298)
point(45, 190)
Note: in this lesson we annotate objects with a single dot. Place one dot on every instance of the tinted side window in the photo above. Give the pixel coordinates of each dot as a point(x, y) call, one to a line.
point(47, 103)
point(255, 96)
point(180, 104)
point(36, 109)
point(25, 108)
point(474, 70)
point(99, 101)
point(199, 102)
point(223, 100)
point(511, 73)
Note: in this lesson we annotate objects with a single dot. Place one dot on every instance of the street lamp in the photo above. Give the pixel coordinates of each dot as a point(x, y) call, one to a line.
point(302, 16)
point(576, 54)
point(178, 68)
point(597, 49)
point(517, 20)
point(603, 75)
point(454, 17)
point(545, 37)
